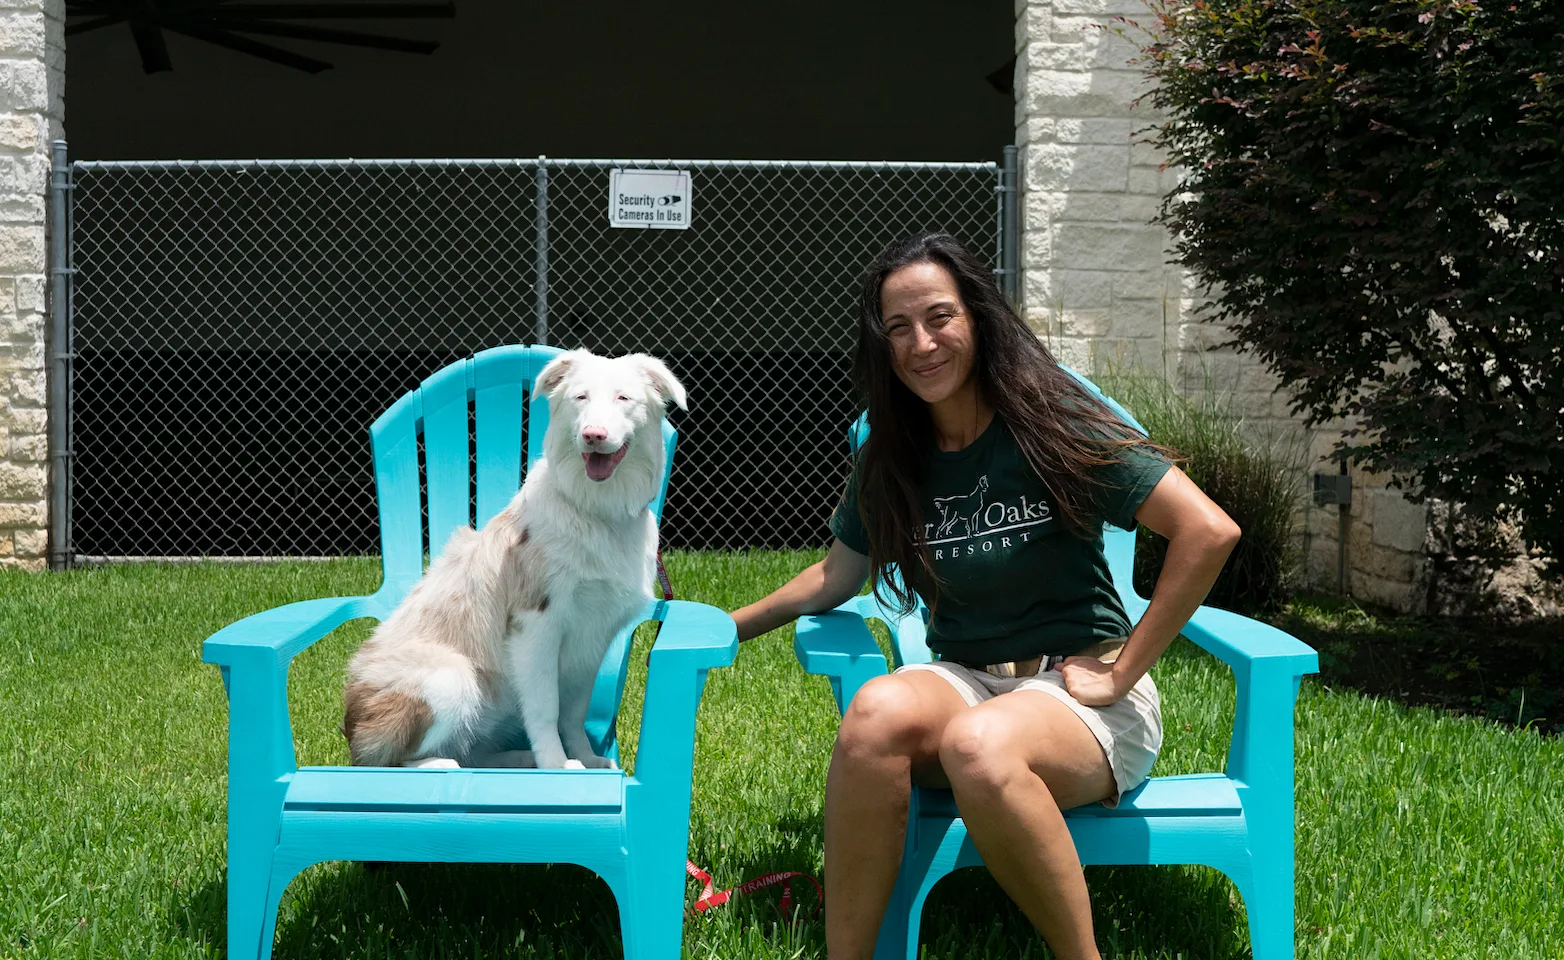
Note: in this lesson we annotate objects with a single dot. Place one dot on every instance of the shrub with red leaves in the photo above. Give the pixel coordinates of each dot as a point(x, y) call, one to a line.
point(1375, 193)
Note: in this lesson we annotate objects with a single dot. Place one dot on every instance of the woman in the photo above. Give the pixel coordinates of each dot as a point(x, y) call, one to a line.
point(986, 476)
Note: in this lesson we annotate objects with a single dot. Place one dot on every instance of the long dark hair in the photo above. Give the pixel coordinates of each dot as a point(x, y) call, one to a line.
point(1064, 432)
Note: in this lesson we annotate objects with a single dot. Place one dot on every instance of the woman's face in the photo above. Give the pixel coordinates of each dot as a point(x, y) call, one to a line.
point(931, 335)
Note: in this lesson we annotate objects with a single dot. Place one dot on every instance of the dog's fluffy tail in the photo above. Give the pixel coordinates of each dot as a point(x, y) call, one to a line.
point(387, 728)
point(383, 727)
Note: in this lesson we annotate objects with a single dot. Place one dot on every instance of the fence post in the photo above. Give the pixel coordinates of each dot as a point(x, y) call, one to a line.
point(1010, 228)
point(61, 552)
point(540, 255)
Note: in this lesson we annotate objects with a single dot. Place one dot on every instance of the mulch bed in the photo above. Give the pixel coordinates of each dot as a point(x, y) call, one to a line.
point(1512, 673)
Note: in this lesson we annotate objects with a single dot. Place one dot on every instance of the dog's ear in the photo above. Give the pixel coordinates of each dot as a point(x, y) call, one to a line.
point(553, 375)
point(666, 385)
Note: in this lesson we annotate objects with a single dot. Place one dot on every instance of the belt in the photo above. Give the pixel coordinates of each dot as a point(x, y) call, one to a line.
point(1105, 650)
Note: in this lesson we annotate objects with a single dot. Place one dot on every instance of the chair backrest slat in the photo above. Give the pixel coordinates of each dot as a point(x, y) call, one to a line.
point(502, 379)
point(394, 440)
point(670, 440)
point(446, 471)
point(537, 422)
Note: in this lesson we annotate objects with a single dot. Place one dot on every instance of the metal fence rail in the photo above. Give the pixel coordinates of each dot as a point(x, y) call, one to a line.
point(236, 325)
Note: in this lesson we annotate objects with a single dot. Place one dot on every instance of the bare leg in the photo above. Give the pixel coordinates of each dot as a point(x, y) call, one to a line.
point(890, 735)
point(1014, 763)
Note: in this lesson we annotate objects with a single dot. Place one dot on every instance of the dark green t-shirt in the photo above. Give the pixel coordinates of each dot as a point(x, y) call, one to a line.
point(1018, 582)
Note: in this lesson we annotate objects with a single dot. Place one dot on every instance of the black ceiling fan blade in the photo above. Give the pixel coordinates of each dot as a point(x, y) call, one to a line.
point(125, 9)
point(337, 11)
point(354, 38)
point(225, 23)
point(106, 13)
point(1004, 79)
point(151, 45)
point(265, 51)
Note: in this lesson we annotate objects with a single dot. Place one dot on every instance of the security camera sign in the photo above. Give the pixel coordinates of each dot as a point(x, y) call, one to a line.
point(656, 199)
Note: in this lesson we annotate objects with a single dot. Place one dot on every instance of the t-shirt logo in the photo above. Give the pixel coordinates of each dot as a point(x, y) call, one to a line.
point(964, 510)
point(983, 512)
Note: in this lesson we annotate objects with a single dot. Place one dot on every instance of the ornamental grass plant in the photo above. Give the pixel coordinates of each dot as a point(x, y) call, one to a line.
point(1252, 471)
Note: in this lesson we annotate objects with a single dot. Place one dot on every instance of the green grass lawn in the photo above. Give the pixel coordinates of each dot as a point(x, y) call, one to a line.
point(1420, 834)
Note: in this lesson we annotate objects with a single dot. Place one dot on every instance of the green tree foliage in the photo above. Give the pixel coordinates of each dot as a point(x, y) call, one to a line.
point(1375, 193)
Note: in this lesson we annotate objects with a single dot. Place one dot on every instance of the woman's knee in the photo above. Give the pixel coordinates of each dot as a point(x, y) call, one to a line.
point(978, 753)
point(882, 720)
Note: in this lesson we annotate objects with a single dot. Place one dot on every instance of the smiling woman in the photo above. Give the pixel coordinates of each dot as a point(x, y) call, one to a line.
point(982, 490)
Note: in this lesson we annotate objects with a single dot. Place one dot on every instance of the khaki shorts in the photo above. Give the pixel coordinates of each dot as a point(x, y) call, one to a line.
point(1130, 731)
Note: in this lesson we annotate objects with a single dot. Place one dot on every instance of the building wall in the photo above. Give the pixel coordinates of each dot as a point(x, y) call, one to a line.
point(1098, 286)
point(1386, 558)
point(32, 61)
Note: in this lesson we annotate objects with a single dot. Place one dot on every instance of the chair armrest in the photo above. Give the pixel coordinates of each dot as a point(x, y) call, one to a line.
point(694, 637)
point(909, 634)
point(281, 633)
point(1268, 666)
point(1236, 640)
point(254, 654)
point(838, 645)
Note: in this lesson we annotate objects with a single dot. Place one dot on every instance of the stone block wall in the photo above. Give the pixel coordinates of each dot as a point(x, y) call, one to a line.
point(1385, 561)
point(32, 100)
point(1093, 278)
point(1097, 285)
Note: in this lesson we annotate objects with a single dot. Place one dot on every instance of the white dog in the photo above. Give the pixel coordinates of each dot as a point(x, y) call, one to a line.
point(510, 624)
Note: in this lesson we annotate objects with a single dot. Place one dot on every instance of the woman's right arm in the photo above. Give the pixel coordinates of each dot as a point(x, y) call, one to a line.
point(822, 586)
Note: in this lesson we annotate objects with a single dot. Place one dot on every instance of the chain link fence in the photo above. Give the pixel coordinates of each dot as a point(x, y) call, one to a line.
point(235, 326)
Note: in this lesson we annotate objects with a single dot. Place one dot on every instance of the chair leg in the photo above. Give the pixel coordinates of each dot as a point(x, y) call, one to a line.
point(651, 911)
point(896, 941)
point(914, 924)
point(251, 916)
point(282, 874)
point(930, 854)
point(1268, 896)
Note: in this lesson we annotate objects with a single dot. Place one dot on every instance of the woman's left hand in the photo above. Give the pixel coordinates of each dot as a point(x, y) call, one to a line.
point(1091, 681)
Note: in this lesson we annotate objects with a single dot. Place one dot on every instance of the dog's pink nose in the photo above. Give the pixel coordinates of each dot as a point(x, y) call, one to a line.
point(594, 434)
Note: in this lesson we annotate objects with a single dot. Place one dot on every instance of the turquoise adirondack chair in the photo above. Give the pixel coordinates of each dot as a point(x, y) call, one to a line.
point(633, 831)
point(1239, 822)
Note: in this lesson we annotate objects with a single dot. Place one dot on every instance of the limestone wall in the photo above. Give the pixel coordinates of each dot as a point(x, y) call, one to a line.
point(32, 100)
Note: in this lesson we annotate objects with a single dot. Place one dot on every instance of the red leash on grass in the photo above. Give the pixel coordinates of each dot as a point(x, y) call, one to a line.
point(710, 896)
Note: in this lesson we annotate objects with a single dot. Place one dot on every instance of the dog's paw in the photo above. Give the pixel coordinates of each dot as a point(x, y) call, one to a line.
point(574, 765)
point(551, 761)
point(434, 763)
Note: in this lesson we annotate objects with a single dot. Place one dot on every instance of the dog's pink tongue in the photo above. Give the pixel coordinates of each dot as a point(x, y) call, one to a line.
point(599, 465)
